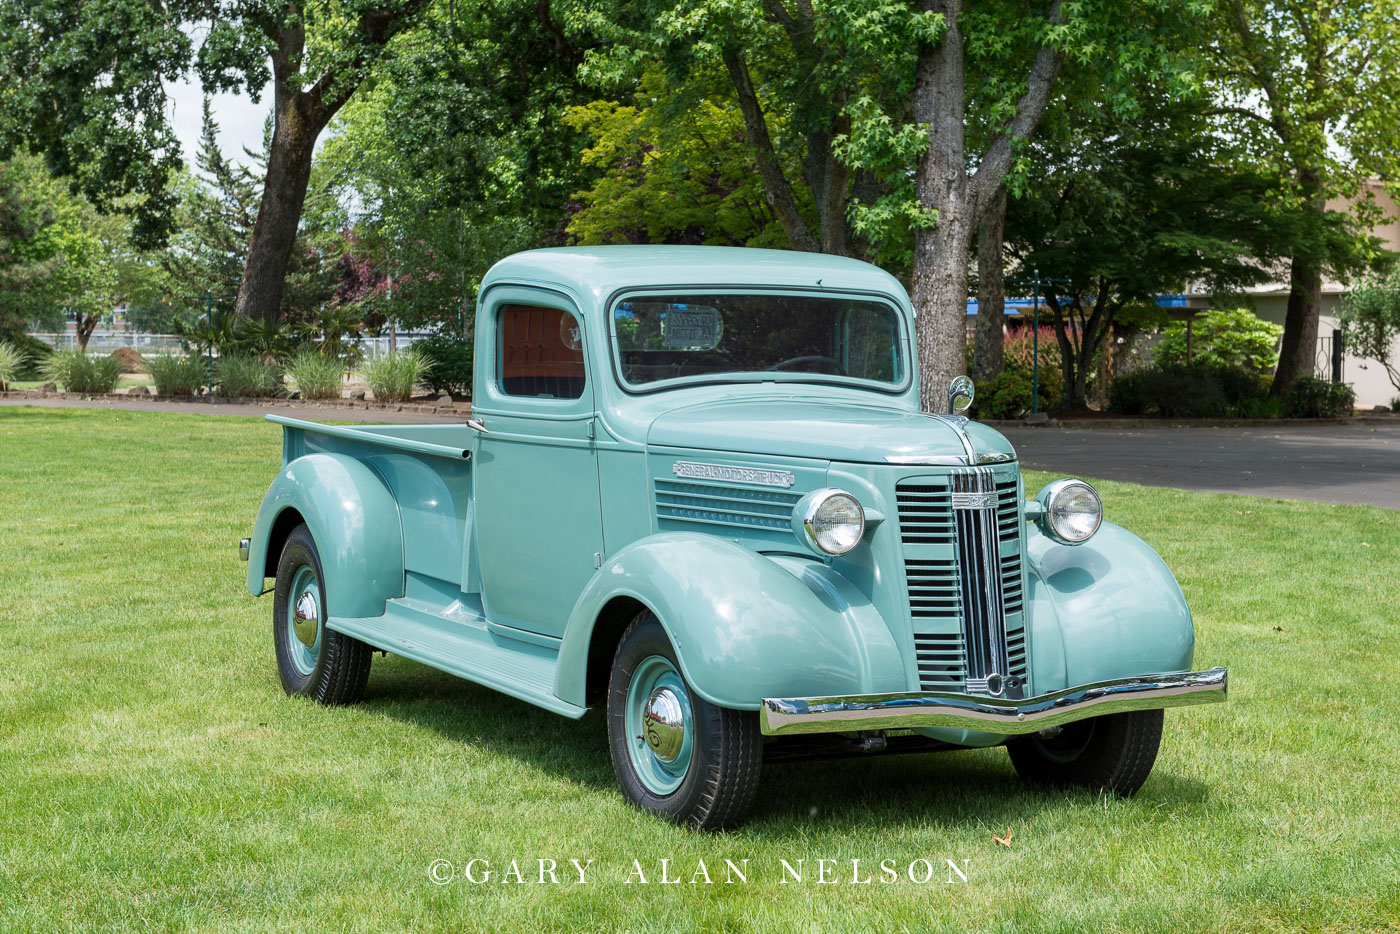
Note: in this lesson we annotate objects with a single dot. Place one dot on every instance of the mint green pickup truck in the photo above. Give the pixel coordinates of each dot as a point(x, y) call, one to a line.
point(697, 490)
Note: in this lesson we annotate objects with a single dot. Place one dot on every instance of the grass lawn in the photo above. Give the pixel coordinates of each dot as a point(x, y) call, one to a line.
point(154, 777)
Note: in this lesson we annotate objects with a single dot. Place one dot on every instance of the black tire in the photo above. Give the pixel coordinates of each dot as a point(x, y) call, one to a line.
point(341, 663)
point(726, 752)
point(1113, 753)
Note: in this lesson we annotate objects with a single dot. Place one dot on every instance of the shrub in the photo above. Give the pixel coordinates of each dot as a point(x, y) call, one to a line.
point(1395, 404)
point(177, 375)
point(35, 353)
point(392, 377)
point(1007, 396)
point(1311, 397)
point(1237, 339)
point(76, 371)
point(1201, 390)
point(317, 375)
point(247, 375)
point(450, 363)
point(11, 359)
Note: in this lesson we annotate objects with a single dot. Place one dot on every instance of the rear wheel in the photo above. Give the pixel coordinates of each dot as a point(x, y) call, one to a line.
point(312, 660)
point(674, 753)
point(1114, 753)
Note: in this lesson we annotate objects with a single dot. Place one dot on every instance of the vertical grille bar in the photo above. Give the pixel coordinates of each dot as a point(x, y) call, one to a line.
point(963, 563)
point(974, 500)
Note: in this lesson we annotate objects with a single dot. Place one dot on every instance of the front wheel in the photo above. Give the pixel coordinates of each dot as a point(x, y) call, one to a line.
point(312, 660)
point(1113, 753)
point(676, 754)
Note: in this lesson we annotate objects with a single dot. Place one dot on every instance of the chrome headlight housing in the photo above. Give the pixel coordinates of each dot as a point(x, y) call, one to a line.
point(829, 522)
point(1070, 511)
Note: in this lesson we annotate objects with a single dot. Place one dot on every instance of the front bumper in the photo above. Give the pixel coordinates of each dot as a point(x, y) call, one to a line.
point(784, 716)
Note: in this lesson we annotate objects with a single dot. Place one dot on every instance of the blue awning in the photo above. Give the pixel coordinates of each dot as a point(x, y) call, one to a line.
point(1022, 306)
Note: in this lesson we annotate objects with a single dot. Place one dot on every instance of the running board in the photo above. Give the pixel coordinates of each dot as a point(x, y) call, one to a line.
point(465, 648)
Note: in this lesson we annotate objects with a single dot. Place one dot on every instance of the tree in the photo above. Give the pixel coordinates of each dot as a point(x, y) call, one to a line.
point(669, 174)
point(85, 86)
point(456, 154)
point(1234, 338)
point(216, 217)
point(1370, 319)
point(27, 254)
point(1311, 90)
point(1129, 208)
point(988, 353)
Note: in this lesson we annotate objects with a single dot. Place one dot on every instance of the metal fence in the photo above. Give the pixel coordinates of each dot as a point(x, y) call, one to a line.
point(107, 341)
point(1331, 356)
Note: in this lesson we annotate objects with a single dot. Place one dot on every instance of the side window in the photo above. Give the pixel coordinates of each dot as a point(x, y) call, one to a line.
point(539, 352)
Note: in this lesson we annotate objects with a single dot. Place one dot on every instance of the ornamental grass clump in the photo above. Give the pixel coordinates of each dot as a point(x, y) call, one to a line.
point(11, 359)
point(247, 375)
point(177, 375)
point(76, 371)
point(317, 375)
point(392, 377)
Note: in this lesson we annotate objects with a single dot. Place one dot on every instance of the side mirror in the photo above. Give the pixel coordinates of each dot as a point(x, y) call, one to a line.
point(960, 394)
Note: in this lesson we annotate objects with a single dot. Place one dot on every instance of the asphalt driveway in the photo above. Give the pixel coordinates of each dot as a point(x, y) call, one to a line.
point(1324, 463)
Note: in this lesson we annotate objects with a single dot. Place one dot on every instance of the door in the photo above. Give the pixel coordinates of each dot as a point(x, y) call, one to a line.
point(539, 524)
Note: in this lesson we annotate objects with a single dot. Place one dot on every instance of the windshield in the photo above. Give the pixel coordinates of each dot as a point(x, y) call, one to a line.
point(716, 335)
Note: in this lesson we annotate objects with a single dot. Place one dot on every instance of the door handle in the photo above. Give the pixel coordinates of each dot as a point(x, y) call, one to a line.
point(476, 425)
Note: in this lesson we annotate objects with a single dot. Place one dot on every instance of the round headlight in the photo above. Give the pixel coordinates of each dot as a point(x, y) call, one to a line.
point(1072, 511)
point(830, 521)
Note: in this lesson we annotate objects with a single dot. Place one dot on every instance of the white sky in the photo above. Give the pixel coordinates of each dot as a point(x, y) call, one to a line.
point(240, 120)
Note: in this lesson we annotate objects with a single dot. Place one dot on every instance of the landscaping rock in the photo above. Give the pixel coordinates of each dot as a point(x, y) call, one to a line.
point(1381, 409)
point(50, 386)
point(444, 401)
point(138, 391)
point(1038, 418)
point(358, 395)
point(129, 359)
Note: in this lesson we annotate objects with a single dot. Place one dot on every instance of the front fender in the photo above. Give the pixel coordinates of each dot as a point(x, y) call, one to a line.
point(355, 521)
point(744, 626)
point(1108, 608)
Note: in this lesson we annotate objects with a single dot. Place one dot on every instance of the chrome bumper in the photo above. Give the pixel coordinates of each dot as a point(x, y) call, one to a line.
point(243, 545)
point(783, 716)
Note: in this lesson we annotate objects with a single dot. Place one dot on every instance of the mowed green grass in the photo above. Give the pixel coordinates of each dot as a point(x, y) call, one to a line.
point(153, 776)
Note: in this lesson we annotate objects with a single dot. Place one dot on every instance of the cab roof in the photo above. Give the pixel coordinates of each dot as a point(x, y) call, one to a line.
point(599, 271)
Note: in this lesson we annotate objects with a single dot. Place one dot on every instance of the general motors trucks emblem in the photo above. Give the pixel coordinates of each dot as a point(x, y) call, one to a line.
point(764, 476)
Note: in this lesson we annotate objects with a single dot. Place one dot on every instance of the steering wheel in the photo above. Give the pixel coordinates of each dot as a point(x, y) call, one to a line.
point(835, 364)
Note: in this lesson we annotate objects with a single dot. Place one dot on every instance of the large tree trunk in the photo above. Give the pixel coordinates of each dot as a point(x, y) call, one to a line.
point(301, 110)
point(940, 295)
point(1298, 354)
point(943, 185)
point(284, 191)
point(941, 251)
point(988, 351)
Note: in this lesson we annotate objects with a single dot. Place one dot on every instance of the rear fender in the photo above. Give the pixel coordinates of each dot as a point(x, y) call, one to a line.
point(355, 521)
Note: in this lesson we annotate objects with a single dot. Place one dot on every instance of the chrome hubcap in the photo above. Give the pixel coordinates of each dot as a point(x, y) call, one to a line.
point(663, 722)
point(660, 733)
point(304, 619)
point(308, 619)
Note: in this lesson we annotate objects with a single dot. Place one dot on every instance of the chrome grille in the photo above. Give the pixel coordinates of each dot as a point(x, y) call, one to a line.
point(720, 504)
point(965, 576)
point(941, 662)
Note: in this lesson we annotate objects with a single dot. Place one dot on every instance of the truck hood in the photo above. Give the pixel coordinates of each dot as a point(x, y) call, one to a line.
point(825, 431)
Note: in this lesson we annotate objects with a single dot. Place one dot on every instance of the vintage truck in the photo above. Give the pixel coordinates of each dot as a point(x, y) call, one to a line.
point(697, 489)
